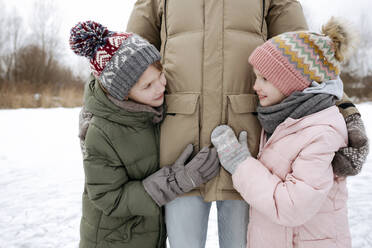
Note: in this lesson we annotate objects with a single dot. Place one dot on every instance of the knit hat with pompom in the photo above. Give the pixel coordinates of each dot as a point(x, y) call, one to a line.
point(292, 61)
point(116, 59)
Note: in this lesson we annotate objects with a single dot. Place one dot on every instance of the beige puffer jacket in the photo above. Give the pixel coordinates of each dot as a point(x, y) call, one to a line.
point(205, 45)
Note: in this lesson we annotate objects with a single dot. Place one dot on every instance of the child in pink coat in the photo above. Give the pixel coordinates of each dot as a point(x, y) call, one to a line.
point(295, 198)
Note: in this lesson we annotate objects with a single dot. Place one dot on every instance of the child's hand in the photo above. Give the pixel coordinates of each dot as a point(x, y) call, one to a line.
point(171, 181)
point(348, 161)
point(231, 152)
point(202, 168)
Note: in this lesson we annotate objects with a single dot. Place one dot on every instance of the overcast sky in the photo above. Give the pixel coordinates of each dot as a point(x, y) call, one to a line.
point(115, 14)
point(110, 13)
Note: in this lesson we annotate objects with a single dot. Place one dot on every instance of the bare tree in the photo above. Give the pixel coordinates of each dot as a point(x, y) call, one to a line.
point(360, 64)
point(11, 41)
point(2, 37)
point(357, 72)
point(45, 28)
point(30, 64)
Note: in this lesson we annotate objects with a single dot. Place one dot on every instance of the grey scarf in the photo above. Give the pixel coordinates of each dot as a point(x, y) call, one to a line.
point(296, 106)
point(132, 106)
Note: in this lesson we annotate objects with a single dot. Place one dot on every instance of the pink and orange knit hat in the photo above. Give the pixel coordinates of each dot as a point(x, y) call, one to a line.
point(292, 61)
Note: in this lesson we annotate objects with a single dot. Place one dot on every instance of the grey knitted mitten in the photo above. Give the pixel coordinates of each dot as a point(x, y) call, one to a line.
point(348, 161)
point(231, 152)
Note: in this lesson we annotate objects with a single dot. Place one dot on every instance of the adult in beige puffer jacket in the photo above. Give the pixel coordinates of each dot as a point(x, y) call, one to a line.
point(205, 47)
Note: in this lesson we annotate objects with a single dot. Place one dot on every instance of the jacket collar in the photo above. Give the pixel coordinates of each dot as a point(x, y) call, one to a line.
point(329, 117)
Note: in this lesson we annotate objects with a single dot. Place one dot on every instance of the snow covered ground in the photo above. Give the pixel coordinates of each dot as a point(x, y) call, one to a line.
point(41, 181)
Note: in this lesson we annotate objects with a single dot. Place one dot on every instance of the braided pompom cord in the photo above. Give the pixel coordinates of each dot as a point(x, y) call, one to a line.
point(87, 37)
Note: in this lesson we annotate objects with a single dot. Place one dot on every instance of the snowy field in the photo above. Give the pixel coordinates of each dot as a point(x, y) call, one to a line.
point(41, 182)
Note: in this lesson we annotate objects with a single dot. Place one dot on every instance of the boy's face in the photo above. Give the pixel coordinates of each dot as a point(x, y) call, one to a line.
point(149, 88)
point(266, 91)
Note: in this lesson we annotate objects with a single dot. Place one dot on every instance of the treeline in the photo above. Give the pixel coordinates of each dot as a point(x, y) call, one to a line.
point(31, 71)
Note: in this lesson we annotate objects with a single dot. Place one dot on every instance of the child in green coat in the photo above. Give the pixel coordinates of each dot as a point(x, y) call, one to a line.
point(119, 131)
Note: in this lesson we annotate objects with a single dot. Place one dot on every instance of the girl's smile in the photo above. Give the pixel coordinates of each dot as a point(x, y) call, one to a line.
point(267, 93)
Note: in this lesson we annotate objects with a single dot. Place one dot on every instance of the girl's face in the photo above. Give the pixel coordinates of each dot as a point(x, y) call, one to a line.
point(267, 93)
point(149, 88)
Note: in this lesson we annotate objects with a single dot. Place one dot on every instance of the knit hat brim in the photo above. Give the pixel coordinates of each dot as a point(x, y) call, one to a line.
point(127, 65)
point(271, 64)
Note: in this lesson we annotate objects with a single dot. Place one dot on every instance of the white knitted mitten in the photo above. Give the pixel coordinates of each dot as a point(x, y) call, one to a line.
point(231, 152)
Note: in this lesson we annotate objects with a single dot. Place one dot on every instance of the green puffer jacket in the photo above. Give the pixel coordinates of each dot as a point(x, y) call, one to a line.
point(121, 148)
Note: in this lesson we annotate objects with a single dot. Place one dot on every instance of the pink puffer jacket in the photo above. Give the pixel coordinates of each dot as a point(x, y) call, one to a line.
point(295, 199)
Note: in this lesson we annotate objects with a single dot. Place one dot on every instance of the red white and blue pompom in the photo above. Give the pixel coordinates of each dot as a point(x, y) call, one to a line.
point(87, 37)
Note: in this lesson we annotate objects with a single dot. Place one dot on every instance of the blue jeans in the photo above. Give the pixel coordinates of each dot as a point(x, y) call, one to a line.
point(187, 222)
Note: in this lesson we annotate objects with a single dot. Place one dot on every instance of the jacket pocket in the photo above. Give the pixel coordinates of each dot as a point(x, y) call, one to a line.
point(241, 117)
point(123, 233)
point(180, 126)
point(319, 231)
